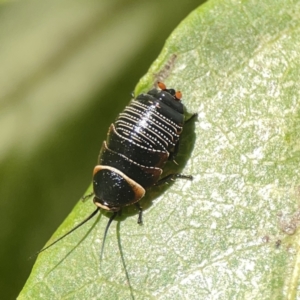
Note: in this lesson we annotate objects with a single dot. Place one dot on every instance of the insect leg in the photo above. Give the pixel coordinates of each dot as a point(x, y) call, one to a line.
point(140, 218)
point(85, 197)
point(173, 177)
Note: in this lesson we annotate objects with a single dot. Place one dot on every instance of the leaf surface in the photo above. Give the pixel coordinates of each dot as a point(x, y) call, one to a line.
point(231, 233)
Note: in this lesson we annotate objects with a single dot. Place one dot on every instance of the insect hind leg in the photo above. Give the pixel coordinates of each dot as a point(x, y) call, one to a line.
point(173, 177)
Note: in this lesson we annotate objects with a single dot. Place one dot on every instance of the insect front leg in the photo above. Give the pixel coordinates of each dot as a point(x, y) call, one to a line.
point(85, 197)
point(140, 218)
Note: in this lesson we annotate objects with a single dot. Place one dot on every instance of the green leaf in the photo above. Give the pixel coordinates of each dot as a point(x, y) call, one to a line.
point(231, 233)
point(67, 69)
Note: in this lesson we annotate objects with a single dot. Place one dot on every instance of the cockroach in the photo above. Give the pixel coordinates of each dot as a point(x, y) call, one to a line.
point(131, 160)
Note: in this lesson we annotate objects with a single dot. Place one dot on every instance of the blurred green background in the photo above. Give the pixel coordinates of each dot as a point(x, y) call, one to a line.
point(67, 68)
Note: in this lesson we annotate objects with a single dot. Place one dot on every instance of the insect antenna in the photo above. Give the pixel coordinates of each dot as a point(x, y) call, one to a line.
point(73, 229)
point(105, 234)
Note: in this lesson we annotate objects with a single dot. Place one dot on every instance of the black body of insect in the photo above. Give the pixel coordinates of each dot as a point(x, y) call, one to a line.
point(142, 139)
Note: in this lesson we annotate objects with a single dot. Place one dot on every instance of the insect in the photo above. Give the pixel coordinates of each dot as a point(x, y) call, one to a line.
point(131, 160)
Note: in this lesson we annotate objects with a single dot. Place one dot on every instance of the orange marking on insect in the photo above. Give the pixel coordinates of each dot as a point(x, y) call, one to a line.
point(178, 95)
point(161, 85)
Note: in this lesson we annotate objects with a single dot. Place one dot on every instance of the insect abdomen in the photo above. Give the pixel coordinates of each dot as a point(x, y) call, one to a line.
point(144, 135)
